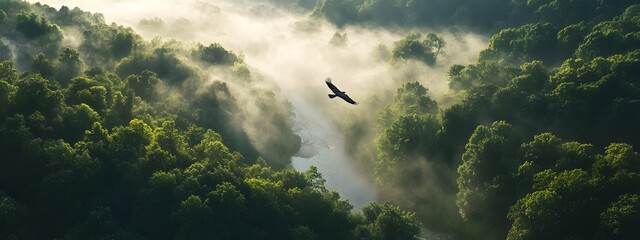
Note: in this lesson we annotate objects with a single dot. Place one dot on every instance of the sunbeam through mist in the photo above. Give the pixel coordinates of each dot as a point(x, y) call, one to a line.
point(293, 56)
point(219, 119)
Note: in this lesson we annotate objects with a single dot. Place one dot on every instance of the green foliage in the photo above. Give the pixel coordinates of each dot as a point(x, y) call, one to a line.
point(562, 208)
point(95, 155)
point(6, 91)
point(144, 84)
point(43, 66)
point(88, 91)
point(72, 17)
point(8, 72)
point(384, 221)
point(608, 38)
point(412, 98)
point(162, 61)
point(569, 79)
point(570, 37)
point(193, 218)
point(8, 215)
point(526, 43)
point(108, 43)
point(473, 76)
point(34, 93)
point(99, 224)
point(485, 176)
point(68, 66)
point(486, 16)
point(410, 130)
point(340, 12)
point(413, 46)
point(296, 4)
point(136, 154)
point(413, 13)
point(621, 219)
point(339, 40)
point(34, 26)
point(215, 54)
point(78, 119)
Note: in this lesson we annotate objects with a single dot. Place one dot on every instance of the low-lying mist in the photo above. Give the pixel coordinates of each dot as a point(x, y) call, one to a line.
point(292, 54)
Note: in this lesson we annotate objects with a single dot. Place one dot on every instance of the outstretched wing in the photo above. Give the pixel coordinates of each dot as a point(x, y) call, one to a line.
point(347, 98)
point(331, 86)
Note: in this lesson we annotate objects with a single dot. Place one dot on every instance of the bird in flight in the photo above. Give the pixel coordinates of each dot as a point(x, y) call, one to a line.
point(338, 93)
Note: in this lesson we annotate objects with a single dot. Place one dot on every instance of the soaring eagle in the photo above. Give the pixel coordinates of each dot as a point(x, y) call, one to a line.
point(338, 93)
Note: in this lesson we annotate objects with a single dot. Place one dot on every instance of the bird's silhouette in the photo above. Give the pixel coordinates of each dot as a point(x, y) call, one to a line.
point(338, 93)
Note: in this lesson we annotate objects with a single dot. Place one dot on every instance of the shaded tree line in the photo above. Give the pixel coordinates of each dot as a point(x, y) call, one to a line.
point(484, 16)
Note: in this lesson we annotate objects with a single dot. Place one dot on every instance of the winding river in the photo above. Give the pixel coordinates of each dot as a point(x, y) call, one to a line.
point(277, 48)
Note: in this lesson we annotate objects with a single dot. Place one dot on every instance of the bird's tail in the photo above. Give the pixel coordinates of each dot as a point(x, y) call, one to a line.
point(332, 95)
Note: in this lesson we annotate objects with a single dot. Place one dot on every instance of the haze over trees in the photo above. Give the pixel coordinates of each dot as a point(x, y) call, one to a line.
point(491, 16)
point(537, 139)
point(120, 137)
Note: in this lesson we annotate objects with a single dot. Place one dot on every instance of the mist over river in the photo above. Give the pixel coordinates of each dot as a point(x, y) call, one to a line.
point(292, 55)
point(323, 147)
point(277, 51)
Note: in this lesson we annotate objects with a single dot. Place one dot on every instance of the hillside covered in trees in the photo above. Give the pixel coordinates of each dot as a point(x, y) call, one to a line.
point(538, 139)
point(105, 135)
point(490, 15)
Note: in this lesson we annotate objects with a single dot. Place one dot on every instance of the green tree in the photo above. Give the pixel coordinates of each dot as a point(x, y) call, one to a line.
point(485, 182)
point(413, 46)
point(384, 221)
point(227, 201)
point(161, 61)
point(570, 37)
point(34, 93)
point(107, 44)
point(412, 98)
point(480, 74)
point(78, 119)
point(618, 170)
point(194, 217)
point(68, 66)
point(6, 93)
point(43, 66)
point(215, 54)
point(34, 26)
point(608, 38)
point(88, 91)
point(339, 40)
point(153, 215)
point(340, 12)
point(99, 224)
point(8, 71)
point(8, 216)
point(143, 85)
point(563, 208)
point(526, 43)
point(129, 142)
point(621, 220)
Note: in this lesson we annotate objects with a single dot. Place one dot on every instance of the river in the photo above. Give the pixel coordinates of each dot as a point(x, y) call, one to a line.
point(324, 147)
point(280, 48)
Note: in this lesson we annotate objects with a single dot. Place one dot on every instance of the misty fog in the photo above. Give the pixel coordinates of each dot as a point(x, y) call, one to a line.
point(293, 56)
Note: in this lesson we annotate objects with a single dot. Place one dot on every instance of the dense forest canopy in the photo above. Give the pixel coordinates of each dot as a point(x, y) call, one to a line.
point(117, 137)
point(108, 135)
point(492, 15)
point(536, 140)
